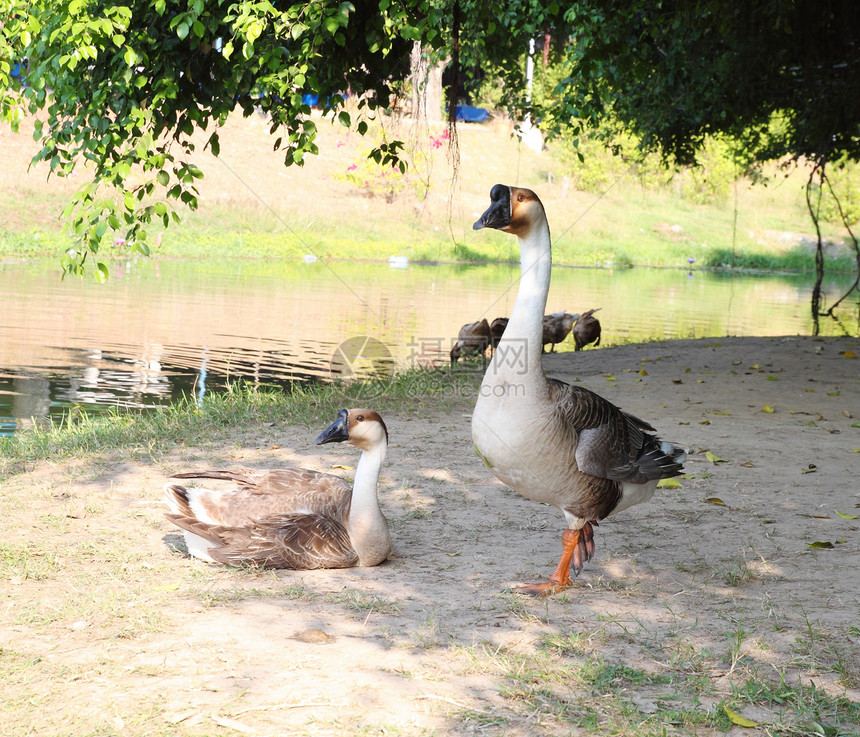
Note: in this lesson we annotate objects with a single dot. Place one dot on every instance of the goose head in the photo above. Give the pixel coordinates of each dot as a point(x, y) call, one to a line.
point(512, 210)
point(362, 428)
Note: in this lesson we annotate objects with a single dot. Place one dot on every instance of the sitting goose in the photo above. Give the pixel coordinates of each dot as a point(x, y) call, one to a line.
point(556, 327)
point(474, 337)
point(292, 517)
point(551, 442)
point(586, 330)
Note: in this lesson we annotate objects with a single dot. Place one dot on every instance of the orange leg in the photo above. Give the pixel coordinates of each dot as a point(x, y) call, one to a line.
point(577, 548)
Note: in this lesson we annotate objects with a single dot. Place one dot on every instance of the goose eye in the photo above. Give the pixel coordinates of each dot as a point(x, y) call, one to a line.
point(520, 197)
point(359, 418)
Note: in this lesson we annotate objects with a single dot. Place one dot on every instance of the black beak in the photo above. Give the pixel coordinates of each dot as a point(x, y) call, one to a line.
point(337, 432)
point(498, 214)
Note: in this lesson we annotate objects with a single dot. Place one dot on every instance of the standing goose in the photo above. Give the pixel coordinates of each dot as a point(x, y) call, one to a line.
point(473, 338)
point(551, 442)
point(586, 330)
point(497, 330)
point(292, 517)
point(556, 327)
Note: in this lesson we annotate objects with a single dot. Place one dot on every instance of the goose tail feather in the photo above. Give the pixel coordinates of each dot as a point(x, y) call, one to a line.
point(673, 451)
point(177, 499)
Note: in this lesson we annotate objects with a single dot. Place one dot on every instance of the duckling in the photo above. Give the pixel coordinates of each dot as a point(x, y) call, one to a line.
point(556, 327)
point(473, 338)
point(586, 330)
point(291, 517)
point(552, 442)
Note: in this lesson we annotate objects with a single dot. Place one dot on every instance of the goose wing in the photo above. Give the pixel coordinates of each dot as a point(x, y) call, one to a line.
point(278, 481)
point(611, 444)
point(264, 494)
point(296, 541)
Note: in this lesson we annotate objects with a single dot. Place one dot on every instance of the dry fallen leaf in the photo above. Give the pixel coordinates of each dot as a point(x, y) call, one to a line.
point(737, 719)
point(715, 500)
point(714, 458)
point(850, 354)
point(167, 587)
point(768, 409)
point(718, 412)
point(342, 467)
point(642, 372)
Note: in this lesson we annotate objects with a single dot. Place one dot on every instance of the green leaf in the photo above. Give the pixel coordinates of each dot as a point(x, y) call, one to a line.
point(714, 458)
point(101, 272)
point(670, 484)
point(343, 118)
point(846, 516)
point(819, 545)
point(163, 178)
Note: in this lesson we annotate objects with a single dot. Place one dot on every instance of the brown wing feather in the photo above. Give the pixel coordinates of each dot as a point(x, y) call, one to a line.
point(610, 444)
point(296, 541)
point(262, 494)
point(277, 481)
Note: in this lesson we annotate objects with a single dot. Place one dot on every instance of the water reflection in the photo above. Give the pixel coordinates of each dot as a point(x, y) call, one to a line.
point(160, 330)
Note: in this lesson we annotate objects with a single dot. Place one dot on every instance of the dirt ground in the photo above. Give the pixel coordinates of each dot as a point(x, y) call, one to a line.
point(706, 597)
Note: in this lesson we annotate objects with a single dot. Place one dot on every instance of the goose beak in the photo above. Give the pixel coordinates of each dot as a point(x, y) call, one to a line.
point(498, 214)
point(338, 431)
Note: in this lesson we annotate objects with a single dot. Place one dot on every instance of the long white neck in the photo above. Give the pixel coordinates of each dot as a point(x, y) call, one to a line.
point(367, 527)
point(519, 351)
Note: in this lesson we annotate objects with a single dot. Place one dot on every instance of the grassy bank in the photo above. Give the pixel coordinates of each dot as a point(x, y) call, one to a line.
point(241, 409)
point(340, 207)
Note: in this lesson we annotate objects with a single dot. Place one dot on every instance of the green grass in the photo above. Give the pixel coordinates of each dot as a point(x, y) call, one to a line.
point(567, 684)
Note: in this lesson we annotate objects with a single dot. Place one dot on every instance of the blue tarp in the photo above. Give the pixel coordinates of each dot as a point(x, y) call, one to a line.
point(467, 114)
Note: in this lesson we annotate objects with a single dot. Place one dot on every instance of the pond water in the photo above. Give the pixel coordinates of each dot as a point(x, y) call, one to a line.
point(160, 329)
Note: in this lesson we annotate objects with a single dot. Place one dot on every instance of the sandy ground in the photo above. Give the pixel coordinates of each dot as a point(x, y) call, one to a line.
point(107, 627)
